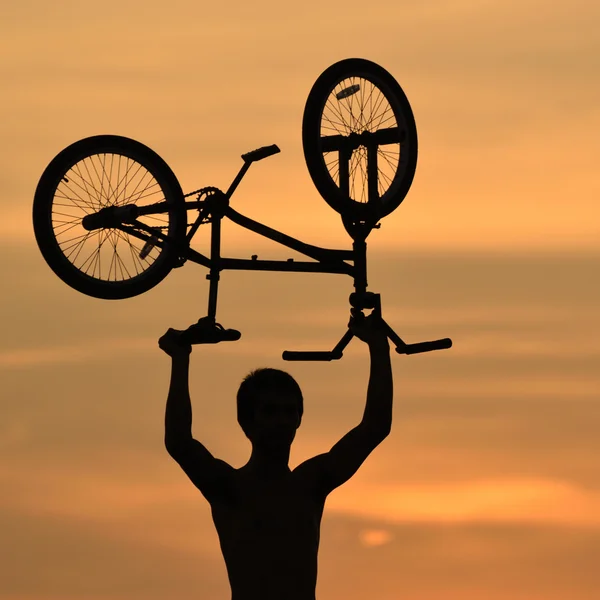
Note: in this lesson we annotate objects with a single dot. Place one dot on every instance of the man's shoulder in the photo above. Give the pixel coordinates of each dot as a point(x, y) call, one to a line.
point(311, 465)
point(310, 472)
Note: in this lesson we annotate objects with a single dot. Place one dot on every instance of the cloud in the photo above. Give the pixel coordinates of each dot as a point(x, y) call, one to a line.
point(75, 353)
point(509, 501)
point(458, 561)
point(48, 558)
point(118, 502)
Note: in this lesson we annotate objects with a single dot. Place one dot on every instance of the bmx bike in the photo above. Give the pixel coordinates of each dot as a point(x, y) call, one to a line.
point(110, 217)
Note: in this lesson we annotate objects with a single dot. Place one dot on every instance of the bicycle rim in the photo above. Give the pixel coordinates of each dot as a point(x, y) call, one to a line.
point(352, 100)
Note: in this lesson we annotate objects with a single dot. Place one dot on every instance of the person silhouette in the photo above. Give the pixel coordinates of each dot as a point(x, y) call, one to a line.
point(268, 516)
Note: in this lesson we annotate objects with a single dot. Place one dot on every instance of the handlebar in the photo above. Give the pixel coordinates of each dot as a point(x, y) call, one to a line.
point(299, 355)
point(337, 353)
point(424, 346)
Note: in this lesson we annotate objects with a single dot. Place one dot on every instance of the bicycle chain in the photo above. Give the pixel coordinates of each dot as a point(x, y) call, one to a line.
point(202, 191)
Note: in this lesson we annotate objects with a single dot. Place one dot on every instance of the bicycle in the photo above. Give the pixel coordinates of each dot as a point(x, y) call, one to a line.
point(108, 194)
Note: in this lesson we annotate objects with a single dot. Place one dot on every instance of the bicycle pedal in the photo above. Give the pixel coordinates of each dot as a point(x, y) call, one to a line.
point(148, 247)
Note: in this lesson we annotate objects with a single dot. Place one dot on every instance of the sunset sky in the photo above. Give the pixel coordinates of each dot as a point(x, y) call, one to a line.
point(488, 487)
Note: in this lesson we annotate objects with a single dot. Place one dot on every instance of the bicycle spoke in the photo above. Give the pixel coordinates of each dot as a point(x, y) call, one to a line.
point(134, 254)
point(335, 126)
point(391, 163)
point(71, 225)
point(74, 193)
point(92, 258)
point(90, 180)
point(339, 124)
point(122, 265)
point(115, 265)
point(378, 102)
point(84, 188)
point(141, 195)
point(154, 218)
point(75, 245)
point(96, 182)
point(135, 257)
point(130, 197)
point(123, 180)
point(111, 187)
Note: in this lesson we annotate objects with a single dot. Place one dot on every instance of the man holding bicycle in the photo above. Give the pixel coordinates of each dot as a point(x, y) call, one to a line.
point(268, 516)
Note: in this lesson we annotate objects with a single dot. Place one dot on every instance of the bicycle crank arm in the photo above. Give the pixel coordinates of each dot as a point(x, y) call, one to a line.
point(424, 346)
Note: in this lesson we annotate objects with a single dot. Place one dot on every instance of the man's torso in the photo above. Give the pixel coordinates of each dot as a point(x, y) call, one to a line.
point(269, 535)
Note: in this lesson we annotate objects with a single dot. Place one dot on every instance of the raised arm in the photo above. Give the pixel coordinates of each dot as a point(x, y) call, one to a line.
point(335, 467)
point(380, 392)
point(210, 475)
point(178, 414)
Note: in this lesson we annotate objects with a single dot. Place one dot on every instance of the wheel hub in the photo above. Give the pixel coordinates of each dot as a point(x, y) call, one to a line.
point(110, 216)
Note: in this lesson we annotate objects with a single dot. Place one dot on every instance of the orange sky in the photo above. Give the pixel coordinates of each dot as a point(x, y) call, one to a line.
point(487, 487)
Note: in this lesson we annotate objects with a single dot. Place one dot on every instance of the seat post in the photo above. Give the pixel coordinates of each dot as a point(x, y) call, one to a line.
point(218, 206)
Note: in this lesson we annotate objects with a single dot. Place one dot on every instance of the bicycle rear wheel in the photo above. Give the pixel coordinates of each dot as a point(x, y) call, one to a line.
point(108, 172)
point(360, 139)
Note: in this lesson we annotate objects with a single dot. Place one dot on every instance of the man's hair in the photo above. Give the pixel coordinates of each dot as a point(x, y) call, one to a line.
point(261, 380)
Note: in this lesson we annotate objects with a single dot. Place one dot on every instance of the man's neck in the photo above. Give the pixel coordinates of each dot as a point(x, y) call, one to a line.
point(269, 463)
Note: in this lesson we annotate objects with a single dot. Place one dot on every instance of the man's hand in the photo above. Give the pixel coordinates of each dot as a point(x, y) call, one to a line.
point(370, 330)
point(170, 343)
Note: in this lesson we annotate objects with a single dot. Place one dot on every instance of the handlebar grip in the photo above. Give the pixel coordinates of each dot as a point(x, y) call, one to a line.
point(299, 355)
point(260, 153)
point(425, 346)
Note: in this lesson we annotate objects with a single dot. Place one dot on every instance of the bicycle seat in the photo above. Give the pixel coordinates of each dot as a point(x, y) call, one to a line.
point(206, 331)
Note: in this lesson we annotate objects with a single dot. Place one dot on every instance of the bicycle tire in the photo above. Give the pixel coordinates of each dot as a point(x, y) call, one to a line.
point(91, 174)
point(357, 80)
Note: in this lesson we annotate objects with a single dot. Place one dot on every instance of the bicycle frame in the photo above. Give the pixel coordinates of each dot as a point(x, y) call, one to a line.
point(327, 260)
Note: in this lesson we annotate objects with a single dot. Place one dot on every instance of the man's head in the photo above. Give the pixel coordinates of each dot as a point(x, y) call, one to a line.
point(269, 406)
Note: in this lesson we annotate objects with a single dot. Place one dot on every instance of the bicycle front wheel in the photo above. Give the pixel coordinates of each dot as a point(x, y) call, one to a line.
point(108, 172)
point(359, 139)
